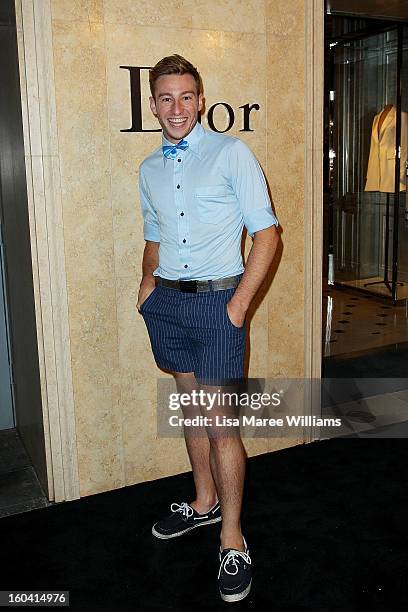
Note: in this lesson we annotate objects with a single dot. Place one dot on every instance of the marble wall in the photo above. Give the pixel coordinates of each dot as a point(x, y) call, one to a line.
point(248, 51)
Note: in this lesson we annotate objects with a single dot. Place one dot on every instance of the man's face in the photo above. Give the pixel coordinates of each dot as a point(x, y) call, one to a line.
point(176, 105)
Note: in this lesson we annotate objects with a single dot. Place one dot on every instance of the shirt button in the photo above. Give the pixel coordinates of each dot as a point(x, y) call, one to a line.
point(181, 214)
point(178, 186)
point(184, 240)
point(185, 265)
point(179, 160)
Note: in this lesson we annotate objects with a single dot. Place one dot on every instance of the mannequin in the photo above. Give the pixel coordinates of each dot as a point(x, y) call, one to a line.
point(381, 166)
point(381, 161)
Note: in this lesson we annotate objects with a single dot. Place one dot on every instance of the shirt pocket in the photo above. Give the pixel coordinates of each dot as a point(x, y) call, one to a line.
point(215, 203)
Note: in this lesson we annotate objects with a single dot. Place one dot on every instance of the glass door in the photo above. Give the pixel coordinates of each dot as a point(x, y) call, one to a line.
point(401, 250)
point(368, 124)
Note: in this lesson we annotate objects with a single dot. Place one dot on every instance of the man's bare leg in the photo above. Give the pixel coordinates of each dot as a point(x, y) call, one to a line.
point(227, 461)
point(198, 448)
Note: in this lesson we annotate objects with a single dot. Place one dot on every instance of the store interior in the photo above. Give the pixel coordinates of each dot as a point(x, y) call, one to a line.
point(365, 285)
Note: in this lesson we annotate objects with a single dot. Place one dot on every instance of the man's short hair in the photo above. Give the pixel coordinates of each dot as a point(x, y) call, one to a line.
point(173, 64)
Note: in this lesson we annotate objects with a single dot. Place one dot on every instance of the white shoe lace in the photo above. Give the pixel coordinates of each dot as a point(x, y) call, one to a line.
point(232, 558)
point(184, 508)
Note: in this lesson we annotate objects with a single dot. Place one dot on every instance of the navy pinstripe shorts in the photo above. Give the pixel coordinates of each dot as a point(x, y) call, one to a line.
point(192, 332)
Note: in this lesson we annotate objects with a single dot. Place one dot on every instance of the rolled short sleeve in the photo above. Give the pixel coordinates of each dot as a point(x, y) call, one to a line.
point(150, 223)
point(250, 187)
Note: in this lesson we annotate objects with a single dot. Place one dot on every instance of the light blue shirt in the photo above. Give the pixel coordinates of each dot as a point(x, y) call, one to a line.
point(196, 205)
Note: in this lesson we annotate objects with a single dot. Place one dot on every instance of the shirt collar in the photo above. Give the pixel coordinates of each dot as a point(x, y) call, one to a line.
point(194, 141)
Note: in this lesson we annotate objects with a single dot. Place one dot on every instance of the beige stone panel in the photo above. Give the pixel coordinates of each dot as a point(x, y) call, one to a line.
point(77, 10)
point(284, 303)
point(237, 82)
point(286, 77)
point(46, 229)
point(40, 134)
point(286, 326)
point(258, 342)
point(93, 327)
point(286, 116)
point(127, 217)
point(286, 322)
point(79, 56)
point(129, 241)
point(139, 446)
point(148, 457)
point(286, 179)
point(138, 371)
point(138, 377)
point(285, 18)
point(88, 243)
point(99, 436)
point(276, 444)
point(230, 15)
point(255, 446)
point(52, 324)
point(126, 296)
point(285, 161)
point(171, 456)
point(54, 336)
point(286, 176)
point(127, 152)
point(94, 349)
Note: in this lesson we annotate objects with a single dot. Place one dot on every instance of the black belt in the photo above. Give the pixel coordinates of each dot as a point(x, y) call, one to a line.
point(198, 286)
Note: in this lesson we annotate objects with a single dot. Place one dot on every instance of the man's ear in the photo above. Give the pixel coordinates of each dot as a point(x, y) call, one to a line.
point(153, 105)
point(200, 101)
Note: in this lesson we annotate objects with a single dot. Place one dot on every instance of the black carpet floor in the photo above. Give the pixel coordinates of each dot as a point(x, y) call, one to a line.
point(326, 523)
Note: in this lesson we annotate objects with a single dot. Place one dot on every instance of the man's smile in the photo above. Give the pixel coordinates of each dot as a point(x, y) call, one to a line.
point(177, 122)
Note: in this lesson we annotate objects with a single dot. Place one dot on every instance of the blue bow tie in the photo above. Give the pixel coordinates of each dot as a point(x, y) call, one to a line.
point(170, 151)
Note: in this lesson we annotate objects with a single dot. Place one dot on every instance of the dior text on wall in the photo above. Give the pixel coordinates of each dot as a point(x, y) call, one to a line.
point(136, 107)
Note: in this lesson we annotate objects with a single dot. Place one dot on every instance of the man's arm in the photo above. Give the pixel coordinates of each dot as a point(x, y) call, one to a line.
point(258, 263)
point(149, 264)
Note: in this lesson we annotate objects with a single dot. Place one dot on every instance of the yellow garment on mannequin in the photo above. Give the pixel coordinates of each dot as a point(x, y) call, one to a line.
point(381, 161)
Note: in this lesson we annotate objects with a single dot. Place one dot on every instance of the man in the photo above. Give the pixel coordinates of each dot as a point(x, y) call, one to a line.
point(197, 191)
